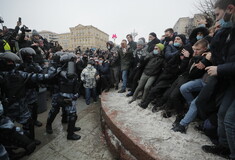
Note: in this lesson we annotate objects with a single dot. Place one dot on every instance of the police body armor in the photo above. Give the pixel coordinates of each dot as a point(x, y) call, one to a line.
point(13, 86)
point(30, 68)
point(68, 84)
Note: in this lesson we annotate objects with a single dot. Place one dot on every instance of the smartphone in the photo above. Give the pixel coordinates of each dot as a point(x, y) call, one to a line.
point(19, 19)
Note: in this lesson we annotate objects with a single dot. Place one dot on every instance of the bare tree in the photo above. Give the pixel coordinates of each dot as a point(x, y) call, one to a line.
point(206, 7)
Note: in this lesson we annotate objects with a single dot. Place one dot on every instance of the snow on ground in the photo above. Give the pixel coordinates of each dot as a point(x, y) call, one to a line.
point(155, 131)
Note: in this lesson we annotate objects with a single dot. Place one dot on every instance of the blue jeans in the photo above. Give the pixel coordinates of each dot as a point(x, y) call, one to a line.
point(124, 79)
point(90, 91)
point(191, 114)
point(188, 88)
point(226, 120)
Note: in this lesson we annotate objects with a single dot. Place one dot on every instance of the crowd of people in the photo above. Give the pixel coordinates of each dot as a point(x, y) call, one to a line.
point(188, 77)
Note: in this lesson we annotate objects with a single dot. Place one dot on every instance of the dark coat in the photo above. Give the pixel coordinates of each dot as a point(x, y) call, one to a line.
point(227, 70)
point(154, 65)
point(192, 71)
point(152, 44)
point(133, 45)
point(126, 58)
point(103, 69)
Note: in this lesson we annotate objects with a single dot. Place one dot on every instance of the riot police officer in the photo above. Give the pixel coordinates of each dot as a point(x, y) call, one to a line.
point(28, 65)
point(66, 96)
point(12, 84)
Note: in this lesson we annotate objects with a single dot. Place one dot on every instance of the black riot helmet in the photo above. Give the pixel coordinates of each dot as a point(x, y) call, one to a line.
point(68, 57)
point(8, 61)
point(27, 54)
point(56, 56)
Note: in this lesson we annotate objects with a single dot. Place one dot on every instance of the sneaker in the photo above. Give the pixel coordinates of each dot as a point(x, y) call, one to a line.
point(73, 137)
point(179, 128)
point(154, 109)
point(37, 123)
point(122, 91)
point(129, 94)
point(142, 105)
point(177, 120)
point(217, 150)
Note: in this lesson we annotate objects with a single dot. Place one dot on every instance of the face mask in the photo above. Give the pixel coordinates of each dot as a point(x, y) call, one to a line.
point(201, 25)
point(109, 47)
point(101, 62)
point(155, 52)
point(199, 37)
point(224, 24)
point(177, 45)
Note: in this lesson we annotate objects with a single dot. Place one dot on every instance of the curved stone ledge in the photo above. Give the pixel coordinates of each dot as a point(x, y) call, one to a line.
point(133, 133)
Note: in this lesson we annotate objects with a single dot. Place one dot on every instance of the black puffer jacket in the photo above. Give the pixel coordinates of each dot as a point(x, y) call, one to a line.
point(154, 65)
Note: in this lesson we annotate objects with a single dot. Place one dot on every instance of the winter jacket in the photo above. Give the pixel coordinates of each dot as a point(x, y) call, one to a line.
point(152, 44)
point(154, 65)
point(140, 58)
point(133, 45)
point(103, 69)
point(114, 58)
point(126, 58)
point(88, 76)
point(227, 70)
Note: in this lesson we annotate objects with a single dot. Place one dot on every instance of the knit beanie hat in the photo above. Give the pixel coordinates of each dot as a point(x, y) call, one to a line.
point(182, 37)
point(160, 46)
point(153, 34)
point(140, 42)
point(35, 33)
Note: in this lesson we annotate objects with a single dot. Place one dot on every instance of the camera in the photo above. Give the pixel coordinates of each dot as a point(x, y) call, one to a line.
point(25, 29)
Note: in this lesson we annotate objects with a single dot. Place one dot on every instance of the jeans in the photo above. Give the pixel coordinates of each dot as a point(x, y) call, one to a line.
point(188, 88)
point(124, 79)
point(226, 119)
point(90, 91)
point(190, 115)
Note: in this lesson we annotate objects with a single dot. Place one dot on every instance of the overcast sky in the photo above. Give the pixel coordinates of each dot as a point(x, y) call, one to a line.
point(111, 16)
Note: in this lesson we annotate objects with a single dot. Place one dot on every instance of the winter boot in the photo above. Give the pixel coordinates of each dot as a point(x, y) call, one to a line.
point(71, 128)
point(217, 150)
point(50, 119)
point(179, 128)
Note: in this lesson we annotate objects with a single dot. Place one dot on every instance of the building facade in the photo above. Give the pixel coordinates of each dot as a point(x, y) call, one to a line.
point(185, 25)
point(80, 35)
point(64, 40)
point(88, 37)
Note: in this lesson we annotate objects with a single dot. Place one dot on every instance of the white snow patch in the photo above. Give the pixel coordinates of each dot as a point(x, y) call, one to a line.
point(155, 132)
